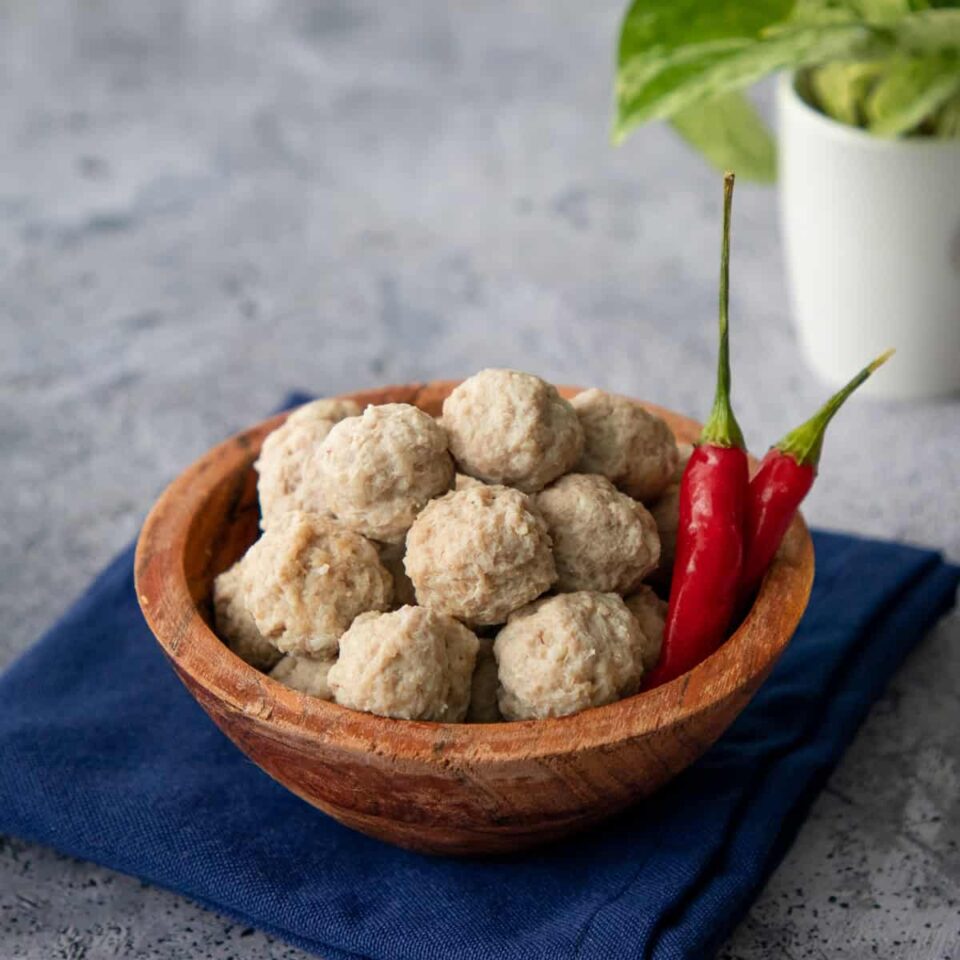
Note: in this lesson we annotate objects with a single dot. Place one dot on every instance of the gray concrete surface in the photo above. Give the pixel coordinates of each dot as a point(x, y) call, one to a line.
point(205, 204)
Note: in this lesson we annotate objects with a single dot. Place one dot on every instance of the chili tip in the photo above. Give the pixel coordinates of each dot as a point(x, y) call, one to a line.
point(804, 444)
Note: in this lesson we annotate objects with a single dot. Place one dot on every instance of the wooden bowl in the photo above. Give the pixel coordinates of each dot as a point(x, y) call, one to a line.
point(436, 787)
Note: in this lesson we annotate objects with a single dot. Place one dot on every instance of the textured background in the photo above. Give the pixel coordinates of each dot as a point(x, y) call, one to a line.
point(205, 204)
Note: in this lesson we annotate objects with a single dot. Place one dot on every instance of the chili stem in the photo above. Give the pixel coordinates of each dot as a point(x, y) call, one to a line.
point(722, 429)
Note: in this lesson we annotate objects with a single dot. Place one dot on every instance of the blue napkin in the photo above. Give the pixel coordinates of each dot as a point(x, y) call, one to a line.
point(105, 756)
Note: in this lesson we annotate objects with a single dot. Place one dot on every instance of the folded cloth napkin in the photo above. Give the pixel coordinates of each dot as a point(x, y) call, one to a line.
point(105, 756)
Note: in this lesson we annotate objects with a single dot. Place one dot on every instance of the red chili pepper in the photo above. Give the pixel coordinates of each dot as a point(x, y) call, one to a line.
point(713, 493)
point(783, 480)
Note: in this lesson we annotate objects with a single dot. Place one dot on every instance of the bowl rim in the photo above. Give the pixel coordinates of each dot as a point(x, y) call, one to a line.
point(201, 658)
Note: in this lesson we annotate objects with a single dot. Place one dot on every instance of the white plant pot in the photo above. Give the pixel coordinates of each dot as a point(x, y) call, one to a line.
point(871, 229)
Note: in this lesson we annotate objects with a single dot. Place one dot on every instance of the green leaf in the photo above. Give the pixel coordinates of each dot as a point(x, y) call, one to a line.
point(840, 89)
point(928, 32)
point(730, 133)
point(881, 11)
point(909, 92)
point(818, 13)
point(685, 59)
point(947, 121)
point(674, 53)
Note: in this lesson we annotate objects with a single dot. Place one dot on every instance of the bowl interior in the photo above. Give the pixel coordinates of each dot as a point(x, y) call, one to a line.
point(208, 518)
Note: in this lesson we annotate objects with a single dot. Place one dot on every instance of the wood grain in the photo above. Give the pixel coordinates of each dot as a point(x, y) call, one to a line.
point(438, 788)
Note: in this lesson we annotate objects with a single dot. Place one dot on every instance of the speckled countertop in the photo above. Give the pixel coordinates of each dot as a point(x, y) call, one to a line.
point(204, 204)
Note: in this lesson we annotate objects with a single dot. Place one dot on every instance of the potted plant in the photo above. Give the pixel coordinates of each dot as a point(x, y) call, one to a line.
point(869, 157)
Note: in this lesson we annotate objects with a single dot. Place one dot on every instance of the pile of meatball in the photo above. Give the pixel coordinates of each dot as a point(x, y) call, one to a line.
point(484, 566)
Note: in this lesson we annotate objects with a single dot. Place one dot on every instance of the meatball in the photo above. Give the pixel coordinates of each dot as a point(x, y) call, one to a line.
point(666, 515)
point(378, 471)
point(304, 674)
point(512, 428)
point(565, 653)
point(603, 540)
point(651, 613)
point(462, 482)
point(236, 626)
point(391, 556)
point(483, 688)
point(412, 664)
point(684, 452)
point(480, 553)
point(287, 466)
point(629, 446)
point(306, 579)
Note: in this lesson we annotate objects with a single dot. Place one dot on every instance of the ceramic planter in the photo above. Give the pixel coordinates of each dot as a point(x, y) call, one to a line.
point(871, 230)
